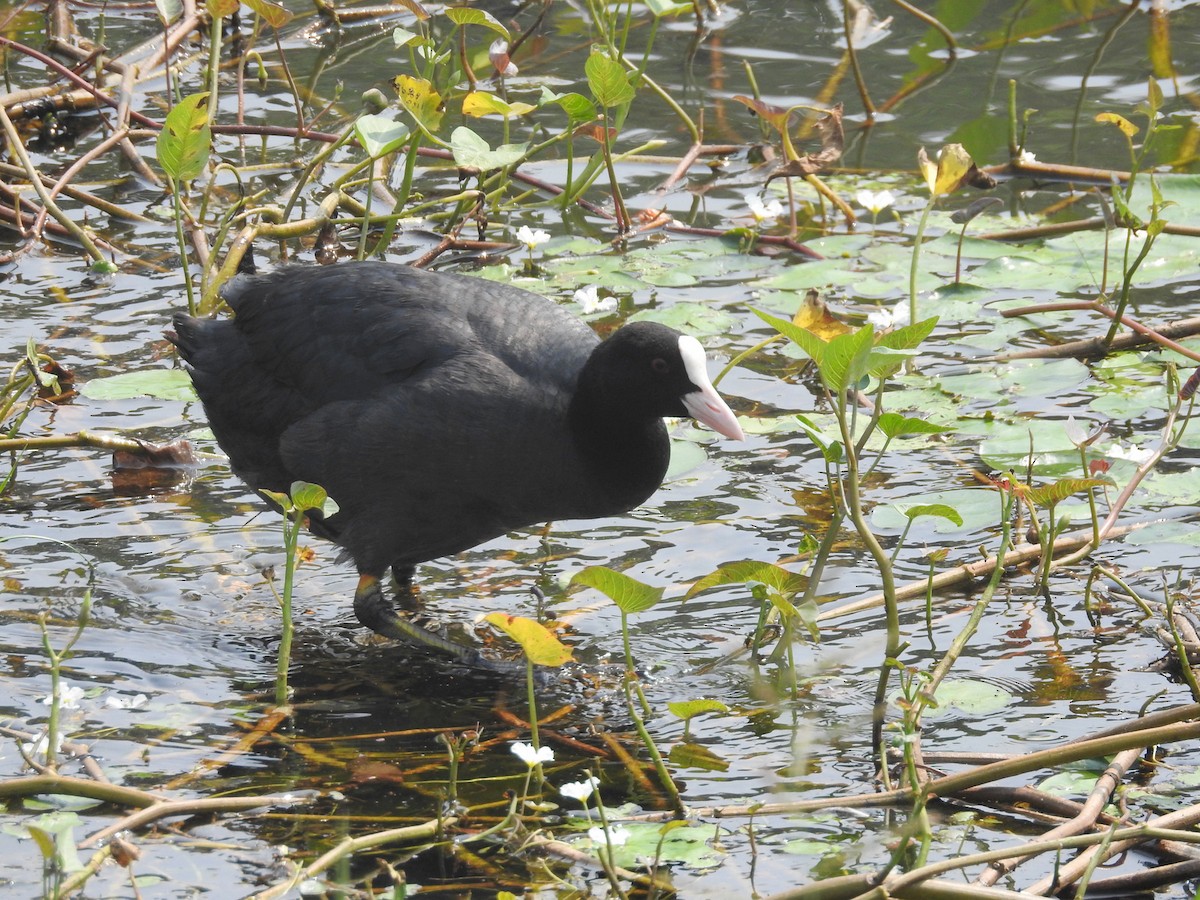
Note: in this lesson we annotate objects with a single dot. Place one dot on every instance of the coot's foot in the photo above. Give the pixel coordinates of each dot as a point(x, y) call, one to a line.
point(376, 613)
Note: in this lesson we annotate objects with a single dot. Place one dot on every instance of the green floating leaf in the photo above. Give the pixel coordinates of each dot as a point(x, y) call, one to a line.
point(380, 135)
point(673, 843)
point(538, 642)
point(628, 593)
point(972, 696)
point(162, 384)
point(687, 755)
point(607, 80)
point(689, 709)
point(978, 508)
point(183, 144)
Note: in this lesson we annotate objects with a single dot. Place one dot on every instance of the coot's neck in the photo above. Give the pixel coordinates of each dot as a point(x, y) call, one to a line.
point(624, 446)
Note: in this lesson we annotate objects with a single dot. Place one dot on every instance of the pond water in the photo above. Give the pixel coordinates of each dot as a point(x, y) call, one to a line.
point(182, 612)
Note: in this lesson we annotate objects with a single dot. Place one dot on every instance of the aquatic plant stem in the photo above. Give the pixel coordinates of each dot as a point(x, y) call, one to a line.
point(17, 149)
point(292, 523)
point(916, 258)
point(851, 491)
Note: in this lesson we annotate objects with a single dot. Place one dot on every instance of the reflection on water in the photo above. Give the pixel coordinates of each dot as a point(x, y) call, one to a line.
point(182, 612)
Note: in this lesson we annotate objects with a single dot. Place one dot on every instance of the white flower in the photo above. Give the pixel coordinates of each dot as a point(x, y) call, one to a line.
point(593, 302)
point(763, 211)
point(580, 790)
point(530, 755)
point(1025, 158)
point(116, 701)
point(68, 698)
point(890, 318)
point(875, 202)
point(532, 238)
point(39, 745)
point(613, 836)
point(1133, 452)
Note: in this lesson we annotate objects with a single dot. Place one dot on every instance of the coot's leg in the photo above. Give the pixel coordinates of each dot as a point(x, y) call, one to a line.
point(404, 576)
point(374, 611)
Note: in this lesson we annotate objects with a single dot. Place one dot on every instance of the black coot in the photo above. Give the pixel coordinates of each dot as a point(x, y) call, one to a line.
point(439, 411)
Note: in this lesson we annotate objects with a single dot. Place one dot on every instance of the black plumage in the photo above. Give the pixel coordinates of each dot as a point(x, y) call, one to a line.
point(439, 411)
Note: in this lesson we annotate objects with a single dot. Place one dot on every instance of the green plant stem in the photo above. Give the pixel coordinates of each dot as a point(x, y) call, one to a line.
point(916, 257)
point(291, 535)
point(17, 149)
point(214, 65)
point(854, 508)
point(531, 696)
point(664, 777)
point(181, 240)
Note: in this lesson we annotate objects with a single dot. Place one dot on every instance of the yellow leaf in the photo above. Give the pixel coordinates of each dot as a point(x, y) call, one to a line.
point(814, 316)
point(481, 103)
point(421, 101)
point(928, 169)
point(539, 644)
point(1127, 127)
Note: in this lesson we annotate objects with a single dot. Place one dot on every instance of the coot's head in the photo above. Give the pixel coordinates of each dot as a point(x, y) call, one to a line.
point(648, 370)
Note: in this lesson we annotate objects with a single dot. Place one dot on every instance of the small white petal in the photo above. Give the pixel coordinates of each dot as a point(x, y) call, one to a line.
point(580, 790)
point(531, 237)
point(1025, 158)
point(615, 835)
point(592, 302)
point(532, 756)
point(1133, 453)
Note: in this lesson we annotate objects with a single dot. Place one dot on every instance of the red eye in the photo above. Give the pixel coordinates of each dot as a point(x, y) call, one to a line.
point(659, 365)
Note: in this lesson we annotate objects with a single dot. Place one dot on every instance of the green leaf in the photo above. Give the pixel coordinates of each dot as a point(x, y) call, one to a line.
point(831, 448)
point(895, 425)
point(380, 135)
point(402, 36)
point(184, 143)
point(472, 152)
point(908, 337)
point(577, 107)
point(219, 9)
point(689, 709)
point(462, 15)
point(689, 755)
point(969, 695)
point(162, 384)
point(536, 640)
point(628, 593)
point(938, 510)
point(607, 80)
point(667, 7)
point(845, 363)
point(801, 337)
point(1052, 494)
point(306, 495)
point(272, 13)
point(750, 571)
